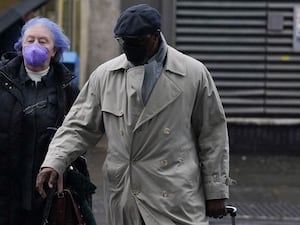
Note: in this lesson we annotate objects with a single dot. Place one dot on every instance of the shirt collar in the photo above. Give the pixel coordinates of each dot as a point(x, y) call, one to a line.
point(47, 79)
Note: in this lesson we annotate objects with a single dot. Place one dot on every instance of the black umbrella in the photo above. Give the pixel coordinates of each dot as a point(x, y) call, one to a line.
point(13, 14)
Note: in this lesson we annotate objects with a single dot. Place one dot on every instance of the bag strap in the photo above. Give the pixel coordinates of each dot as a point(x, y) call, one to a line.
point(48, 205)
point(75, 206)
point(58, 186)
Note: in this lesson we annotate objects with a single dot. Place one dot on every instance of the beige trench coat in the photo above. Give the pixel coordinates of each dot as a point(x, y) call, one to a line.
point(163, 159)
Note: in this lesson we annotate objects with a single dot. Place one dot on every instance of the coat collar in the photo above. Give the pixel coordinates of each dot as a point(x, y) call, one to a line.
point(159, 98)
point(175, 63)
point(15, 70)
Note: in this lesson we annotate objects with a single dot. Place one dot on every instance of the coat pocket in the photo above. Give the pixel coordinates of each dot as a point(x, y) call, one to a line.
point(114, 112)
point(113, 107)
point(113, 117)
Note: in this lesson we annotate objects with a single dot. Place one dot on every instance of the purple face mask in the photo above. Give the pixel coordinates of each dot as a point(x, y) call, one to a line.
point(35, 55)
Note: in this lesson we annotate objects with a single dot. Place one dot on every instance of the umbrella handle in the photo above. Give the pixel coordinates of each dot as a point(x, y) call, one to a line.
point(231, 210)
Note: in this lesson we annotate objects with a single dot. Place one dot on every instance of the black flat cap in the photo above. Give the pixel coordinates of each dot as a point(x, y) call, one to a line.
point(137, 20)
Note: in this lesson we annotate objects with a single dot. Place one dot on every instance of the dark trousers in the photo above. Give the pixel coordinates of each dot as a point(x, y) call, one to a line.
point(29, 218)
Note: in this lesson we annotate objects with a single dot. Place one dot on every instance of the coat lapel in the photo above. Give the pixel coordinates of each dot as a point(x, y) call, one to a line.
point(134, 84)
point(164, 92)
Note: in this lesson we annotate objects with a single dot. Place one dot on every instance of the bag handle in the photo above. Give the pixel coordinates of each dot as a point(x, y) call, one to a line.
point(48, 205)
point(57, 188)
point(61, 193)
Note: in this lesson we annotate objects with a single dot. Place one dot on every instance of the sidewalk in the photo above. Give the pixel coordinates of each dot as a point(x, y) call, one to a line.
point(267, 190)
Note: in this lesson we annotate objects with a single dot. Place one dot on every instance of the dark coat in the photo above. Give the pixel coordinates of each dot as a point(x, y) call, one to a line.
point(26, 130)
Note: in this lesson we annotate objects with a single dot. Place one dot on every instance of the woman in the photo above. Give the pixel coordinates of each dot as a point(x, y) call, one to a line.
point(36, 91)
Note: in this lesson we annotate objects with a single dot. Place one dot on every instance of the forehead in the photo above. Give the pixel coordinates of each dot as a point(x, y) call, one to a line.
point(38, 30)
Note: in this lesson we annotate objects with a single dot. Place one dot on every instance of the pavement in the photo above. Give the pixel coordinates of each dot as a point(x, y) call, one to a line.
point(267, 190)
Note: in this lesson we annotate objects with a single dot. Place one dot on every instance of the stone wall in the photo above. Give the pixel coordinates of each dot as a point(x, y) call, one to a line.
point(97, 39)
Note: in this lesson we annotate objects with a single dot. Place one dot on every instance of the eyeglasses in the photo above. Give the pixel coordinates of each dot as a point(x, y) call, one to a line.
point(133, 40)
point(38, 105)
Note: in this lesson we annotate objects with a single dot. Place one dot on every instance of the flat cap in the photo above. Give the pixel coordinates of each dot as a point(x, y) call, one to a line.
point(137, 20)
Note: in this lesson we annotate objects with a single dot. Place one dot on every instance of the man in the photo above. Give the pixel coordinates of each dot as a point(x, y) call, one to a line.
point(168, 156)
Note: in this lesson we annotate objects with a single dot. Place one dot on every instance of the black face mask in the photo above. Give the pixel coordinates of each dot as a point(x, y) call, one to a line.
point(136, 54)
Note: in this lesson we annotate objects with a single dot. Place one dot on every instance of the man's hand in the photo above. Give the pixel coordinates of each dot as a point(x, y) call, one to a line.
point(48, 175)
point(216, 208)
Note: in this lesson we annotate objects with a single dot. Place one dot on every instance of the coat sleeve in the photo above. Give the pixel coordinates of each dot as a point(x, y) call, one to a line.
point(209, 123)
point(81, 129)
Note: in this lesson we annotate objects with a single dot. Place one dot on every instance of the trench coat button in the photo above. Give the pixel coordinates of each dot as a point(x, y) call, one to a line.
point(164, 162)
point(164, 194)
point(10, 87)
point(6, 84)
point(166, 130)
point(135, 191)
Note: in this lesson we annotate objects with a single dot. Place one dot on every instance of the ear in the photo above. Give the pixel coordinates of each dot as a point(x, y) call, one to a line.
point(54, 52)
point(157, 35)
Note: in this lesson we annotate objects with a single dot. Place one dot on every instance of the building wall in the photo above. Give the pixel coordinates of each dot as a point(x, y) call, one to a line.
point(250, 54)
point(97, 23)
point(97, 40)
point(167, 10)
point(4, 5)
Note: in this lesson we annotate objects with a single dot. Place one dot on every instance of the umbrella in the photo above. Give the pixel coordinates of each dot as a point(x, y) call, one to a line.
point(16, 12)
